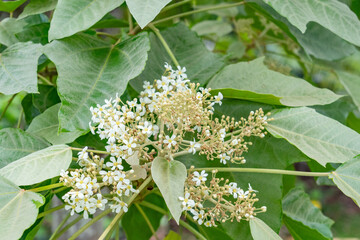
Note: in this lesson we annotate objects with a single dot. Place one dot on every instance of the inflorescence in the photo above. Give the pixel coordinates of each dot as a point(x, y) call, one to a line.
point(159, 123)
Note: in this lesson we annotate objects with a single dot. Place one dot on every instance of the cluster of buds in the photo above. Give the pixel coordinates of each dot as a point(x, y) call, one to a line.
point(219, 201)
point(85, 195)
point(159, 123)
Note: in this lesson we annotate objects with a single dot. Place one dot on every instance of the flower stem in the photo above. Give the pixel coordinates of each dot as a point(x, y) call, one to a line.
point(43, 188)
point(51, 210)
point(72, 223)
point(118, 216)
point(59, 227)
point(166, 46)
point(264, 170)
point(88, 224)
point(182, 223)
point(45, 80)
point(89, 150)
point(222, 6)
point(146, 220)
point(7, 106)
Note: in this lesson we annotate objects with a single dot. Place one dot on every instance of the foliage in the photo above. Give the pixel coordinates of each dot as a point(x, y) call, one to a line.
point(207, 106)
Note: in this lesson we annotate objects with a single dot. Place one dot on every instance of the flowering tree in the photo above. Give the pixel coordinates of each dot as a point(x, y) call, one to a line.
point(145, 123)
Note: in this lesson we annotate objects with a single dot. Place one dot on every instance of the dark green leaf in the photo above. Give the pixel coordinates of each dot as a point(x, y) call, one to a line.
point(38, 6)
point(245, 80)
point(307, 220)
point(15, 144)
point(188, 49)
point(91, 70)
point(36, 34)
point(10, 6)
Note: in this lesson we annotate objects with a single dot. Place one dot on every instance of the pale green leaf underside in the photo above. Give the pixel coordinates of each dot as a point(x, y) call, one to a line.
point(347, 178)
point(253, 81)
point(18, 209)
point(319, 137)
point(38, 6)
point(261, 231)
point(18, 68)
point(46, 125)
point(72, 16)
point(144, 11)
point(219, 28)
point(15, 144)
point(8, 28)
point(170, 178)
point(38, 166)
point(331, 14)
point(297, 206)
point(351, 82)
point(90, 71)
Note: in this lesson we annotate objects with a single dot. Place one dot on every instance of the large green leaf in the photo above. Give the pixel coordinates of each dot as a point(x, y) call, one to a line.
point(10, 6)
point(91, 70)
point(331, 14)
point(316, 41)
point(15, 144)
point(71, 16)
point(133, 219)
point(351, 82)
point(8, 28)
point(144, 11)
point(18, 209)
point(347, 178)
point(255, 82)
point(38, 166)
point(18, 68)
point(46, 125)
point(261, 231)
point(307, 220)
point(319, 137)
point(38, 6)
point(170, 177)
point(218, 28)
point(200, 63)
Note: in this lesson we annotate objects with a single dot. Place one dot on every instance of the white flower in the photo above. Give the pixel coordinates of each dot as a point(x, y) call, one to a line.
point(170, 141)
point(199, 96)
point(146, 128)
point(82, 182)
point(168, 67)
point(207, 224)
point(87, 207)
point(186, 201)
point(193, 146)
point(233, 189)
point(200, 178)
point(127, 188)
point(218, 98)
point(223, 158)
point(115, 163)
point(121, 179)
point(129, 145)
point(99, 202)
point(234, 142)
point(118, 205)
point(242, 194)
point(198, 216)
point(71, 206)
point(222, 133)
point(251, 189)
point(108, 177)
point(181, 72)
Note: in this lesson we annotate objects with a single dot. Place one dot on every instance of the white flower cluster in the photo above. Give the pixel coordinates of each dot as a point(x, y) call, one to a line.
point(211, 204)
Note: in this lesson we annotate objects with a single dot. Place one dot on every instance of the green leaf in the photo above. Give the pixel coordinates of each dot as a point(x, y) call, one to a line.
point(18, 209)
point(144, 11)
point(8, 28)
point(353, 121)
point(18, 70)
point(261, 231)
point(37, 34)
point(170, 177)
point(46, 125)
point(236, 50)
point(71, 16)
point(319, 137)
point(91, 70)
point(307, 220)
point(15, 144)
point(218, 28)
point(351, 82)
point(38, 166)
point(38, 6)
point(200, 63)
point(245, 80)
point(133, 220)
point(347, 179)
point(331, 14)
point(10, 6)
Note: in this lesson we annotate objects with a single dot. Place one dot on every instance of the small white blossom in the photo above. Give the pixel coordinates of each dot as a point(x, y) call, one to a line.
point(193, 146)
point(170, 141)
point(200, 177)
